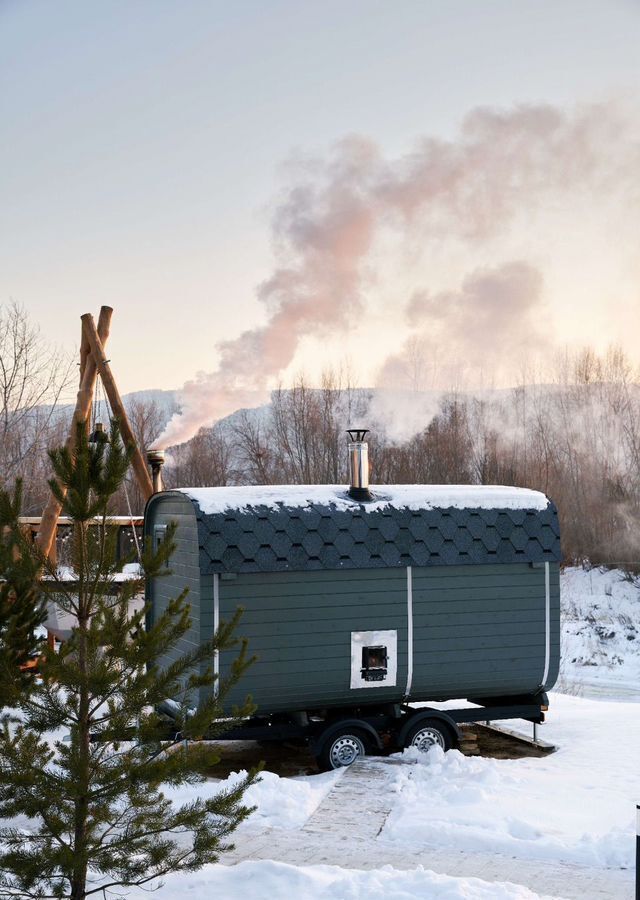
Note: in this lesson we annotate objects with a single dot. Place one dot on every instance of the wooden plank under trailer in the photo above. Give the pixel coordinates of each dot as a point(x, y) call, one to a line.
point(534, 741)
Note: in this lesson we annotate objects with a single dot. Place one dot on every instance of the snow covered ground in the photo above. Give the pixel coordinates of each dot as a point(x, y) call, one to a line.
point(576, 805)
point(281, 802)
point(600, 644)
point(280, 881)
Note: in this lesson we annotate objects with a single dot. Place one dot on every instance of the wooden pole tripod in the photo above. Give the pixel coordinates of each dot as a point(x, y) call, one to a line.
point(93, 364)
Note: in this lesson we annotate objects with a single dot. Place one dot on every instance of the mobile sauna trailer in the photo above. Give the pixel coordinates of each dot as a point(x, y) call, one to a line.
point(359, 604)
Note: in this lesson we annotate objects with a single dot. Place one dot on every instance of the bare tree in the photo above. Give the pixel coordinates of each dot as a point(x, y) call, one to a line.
point(307, 428)
point(206, 460)
point(255, 456)
point(440, 454)
point(33, 375)
point(147, 419)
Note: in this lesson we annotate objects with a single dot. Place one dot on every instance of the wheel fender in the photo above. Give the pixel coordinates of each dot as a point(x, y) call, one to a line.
point(335, 727)
point(420, 717)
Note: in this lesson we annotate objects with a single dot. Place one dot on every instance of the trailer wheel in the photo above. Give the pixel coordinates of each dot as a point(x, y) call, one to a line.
point(429, 733)
point(342, 748)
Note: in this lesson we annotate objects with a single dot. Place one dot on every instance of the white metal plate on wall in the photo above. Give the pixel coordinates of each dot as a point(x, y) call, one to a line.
point(360, 639)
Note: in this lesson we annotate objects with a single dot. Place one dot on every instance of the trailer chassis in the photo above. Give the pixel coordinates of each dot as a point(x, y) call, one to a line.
point(382, 729)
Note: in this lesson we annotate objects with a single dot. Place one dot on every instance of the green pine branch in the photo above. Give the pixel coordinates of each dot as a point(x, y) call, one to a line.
point(96, 803)
point(22, 608)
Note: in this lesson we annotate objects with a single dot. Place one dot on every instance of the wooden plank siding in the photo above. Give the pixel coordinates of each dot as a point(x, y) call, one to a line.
point(184, 567)
point(480, 631)
point(309, 666)
point(477, 631)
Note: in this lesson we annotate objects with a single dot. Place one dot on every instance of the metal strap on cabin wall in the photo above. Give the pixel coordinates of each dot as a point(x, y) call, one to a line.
point(216, 625)
point(547, 625)
point(409, 632)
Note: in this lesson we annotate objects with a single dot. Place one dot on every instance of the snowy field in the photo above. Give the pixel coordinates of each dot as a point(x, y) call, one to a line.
point(574, 808)
point(600, 643)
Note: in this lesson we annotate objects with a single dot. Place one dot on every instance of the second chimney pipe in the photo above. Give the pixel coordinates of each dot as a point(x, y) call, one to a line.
point(358, 464)
point(155, 458)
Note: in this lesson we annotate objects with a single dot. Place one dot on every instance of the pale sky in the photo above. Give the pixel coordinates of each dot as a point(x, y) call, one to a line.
point(144, 149)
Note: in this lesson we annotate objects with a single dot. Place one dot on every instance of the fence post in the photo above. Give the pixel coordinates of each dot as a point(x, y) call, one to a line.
point(637, 851)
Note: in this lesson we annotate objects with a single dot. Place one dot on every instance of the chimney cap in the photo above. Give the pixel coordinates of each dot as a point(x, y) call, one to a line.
point(155, 456)
point(357, 435)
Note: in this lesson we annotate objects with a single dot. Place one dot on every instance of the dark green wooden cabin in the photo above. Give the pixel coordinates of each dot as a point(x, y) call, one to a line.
point(424, 593)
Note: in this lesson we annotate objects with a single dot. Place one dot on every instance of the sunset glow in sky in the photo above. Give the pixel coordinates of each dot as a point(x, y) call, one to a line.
point(331, 179)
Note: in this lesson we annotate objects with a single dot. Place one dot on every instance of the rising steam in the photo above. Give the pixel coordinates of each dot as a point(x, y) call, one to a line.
point(469, 190)
point(499, 309)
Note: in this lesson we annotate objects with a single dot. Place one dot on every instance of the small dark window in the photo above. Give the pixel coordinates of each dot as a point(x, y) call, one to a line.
point(159, 535)
point(374, 663)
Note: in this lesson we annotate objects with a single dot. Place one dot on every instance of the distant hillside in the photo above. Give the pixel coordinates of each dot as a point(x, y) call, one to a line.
point(399, 413)
point(167, 401)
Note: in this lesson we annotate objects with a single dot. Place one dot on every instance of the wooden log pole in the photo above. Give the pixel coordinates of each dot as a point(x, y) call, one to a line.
point(88, 386)
point(111, 390)
point(81, 413)
point(84, 353)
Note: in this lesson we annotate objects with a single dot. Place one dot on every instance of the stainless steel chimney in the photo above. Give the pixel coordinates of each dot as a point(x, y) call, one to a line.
point(359, 464)
point(155, 458)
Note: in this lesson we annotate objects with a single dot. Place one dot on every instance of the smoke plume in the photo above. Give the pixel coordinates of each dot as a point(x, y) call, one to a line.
point(322, 232)
point(468, 190)
point(499, 310)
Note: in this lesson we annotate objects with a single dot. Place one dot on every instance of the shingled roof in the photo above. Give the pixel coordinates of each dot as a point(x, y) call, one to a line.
point(331, 531)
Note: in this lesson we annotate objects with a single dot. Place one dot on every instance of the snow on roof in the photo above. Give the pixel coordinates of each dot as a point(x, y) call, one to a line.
point(409, 496)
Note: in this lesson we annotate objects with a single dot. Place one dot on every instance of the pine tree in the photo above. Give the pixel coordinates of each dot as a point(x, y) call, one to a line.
point(98, 814)
point(22, 609)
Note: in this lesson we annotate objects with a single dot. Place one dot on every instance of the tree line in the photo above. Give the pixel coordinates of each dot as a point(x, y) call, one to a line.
point(575, 437)
point(573, 434)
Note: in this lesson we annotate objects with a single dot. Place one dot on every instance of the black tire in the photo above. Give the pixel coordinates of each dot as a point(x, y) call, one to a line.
point(429, 733)
point(342, 748)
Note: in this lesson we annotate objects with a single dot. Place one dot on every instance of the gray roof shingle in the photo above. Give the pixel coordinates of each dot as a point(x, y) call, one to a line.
point(281, 539)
